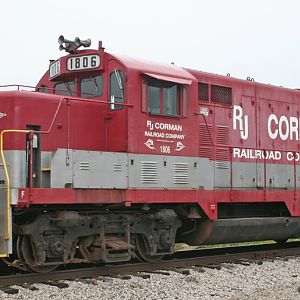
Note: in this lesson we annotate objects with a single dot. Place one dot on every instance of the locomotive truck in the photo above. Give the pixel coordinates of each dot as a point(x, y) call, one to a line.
point(111, 158)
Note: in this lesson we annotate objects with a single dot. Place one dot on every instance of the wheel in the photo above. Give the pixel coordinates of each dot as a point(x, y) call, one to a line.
point(141, 251)
point(25, 255)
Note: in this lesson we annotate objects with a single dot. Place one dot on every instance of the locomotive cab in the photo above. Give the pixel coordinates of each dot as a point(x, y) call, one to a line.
point(93, 75)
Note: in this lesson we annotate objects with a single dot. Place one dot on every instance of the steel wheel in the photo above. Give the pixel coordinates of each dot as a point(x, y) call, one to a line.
point(141, 251)
point(25, 255)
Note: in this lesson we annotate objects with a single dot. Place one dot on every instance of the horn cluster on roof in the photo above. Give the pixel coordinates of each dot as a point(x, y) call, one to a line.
point(72, 46)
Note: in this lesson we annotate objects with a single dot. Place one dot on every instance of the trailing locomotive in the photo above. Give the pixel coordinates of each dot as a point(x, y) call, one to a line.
point(113, 158)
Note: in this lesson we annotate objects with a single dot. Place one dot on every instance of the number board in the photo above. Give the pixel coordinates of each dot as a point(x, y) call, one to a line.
point(85, 62)
point(54, 69)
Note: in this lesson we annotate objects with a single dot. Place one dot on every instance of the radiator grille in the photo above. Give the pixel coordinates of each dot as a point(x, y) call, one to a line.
point(181, 173)
point(203, 94)
point(221, 94)
point(149, 172)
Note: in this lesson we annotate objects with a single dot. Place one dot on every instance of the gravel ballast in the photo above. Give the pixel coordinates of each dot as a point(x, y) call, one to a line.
point(271, 280)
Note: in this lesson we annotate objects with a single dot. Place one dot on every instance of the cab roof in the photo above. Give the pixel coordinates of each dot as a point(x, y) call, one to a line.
point(154, 68)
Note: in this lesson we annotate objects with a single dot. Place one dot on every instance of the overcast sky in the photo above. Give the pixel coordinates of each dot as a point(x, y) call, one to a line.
point(257, 38)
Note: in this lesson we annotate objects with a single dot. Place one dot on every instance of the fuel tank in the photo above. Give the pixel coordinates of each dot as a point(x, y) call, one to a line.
point(242, 230)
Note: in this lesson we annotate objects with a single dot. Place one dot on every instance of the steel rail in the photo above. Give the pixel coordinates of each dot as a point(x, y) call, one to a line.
point(270, 252)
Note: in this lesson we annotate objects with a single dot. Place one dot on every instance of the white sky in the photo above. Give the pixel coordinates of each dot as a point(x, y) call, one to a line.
point(257, 38)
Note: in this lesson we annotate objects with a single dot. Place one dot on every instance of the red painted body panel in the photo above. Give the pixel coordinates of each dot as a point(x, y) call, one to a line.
point(69, 196)
point(79, 124)
point(208, 200)
point(258, 102)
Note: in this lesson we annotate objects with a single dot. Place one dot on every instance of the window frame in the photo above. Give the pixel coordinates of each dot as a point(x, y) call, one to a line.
point(62, 90)
point(114, 106)
point(85, 95)
point(180, 88)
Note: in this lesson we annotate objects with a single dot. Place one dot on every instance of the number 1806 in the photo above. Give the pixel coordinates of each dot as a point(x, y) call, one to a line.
point(165, 149)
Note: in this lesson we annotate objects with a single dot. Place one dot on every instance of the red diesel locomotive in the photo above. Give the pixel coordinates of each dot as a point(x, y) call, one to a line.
point(113, 158)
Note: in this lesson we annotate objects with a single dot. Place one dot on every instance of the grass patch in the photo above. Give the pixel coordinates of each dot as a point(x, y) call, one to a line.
point(183, 246)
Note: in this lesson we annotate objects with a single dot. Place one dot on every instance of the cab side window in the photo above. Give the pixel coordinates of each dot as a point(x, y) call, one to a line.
point(171, 99)
point(154, 97)
point(116, 89)
point(163, 97)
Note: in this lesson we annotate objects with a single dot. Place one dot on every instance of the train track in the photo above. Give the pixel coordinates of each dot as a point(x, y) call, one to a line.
point(181, 261)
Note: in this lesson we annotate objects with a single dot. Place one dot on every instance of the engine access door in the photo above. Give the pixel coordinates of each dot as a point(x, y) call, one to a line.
point(116, 118)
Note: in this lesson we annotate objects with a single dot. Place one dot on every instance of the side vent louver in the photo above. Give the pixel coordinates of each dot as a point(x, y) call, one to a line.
point(222, 165)
point(222, 154)
point(149, 173)
point(84, 165)
point(181, 173)
point(222, 137)
point(117, 167)
point(206, 135)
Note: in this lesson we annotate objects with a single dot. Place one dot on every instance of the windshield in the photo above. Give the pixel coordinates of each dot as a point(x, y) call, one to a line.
point(91, 86)
point(66, 88)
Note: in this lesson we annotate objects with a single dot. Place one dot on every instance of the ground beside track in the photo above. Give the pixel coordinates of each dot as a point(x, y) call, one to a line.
point(276, 279)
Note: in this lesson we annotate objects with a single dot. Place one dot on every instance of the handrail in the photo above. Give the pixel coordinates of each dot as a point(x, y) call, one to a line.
point(8, 236)
point(18, 86)
point(79, 100)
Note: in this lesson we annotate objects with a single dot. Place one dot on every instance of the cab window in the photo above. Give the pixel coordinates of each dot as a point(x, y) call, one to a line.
point(163, 98)
point(154, 97)
point(91, 86)
point(116, 90)
point(65, 88)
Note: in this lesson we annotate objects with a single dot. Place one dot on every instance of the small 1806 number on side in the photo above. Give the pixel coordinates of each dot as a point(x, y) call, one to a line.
point(54, 69)
point(83, 62)
point(165, 149)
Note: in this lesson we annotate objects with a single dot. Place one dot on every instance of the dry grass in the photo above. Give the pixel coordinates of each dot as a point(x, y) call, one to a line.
point(183, 246)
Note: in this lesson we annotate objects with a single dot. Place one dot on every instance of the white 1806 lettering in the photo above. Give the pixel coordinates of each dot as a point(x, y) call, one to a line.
point(165, 149)
point(54, 69)
point(83, 62)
